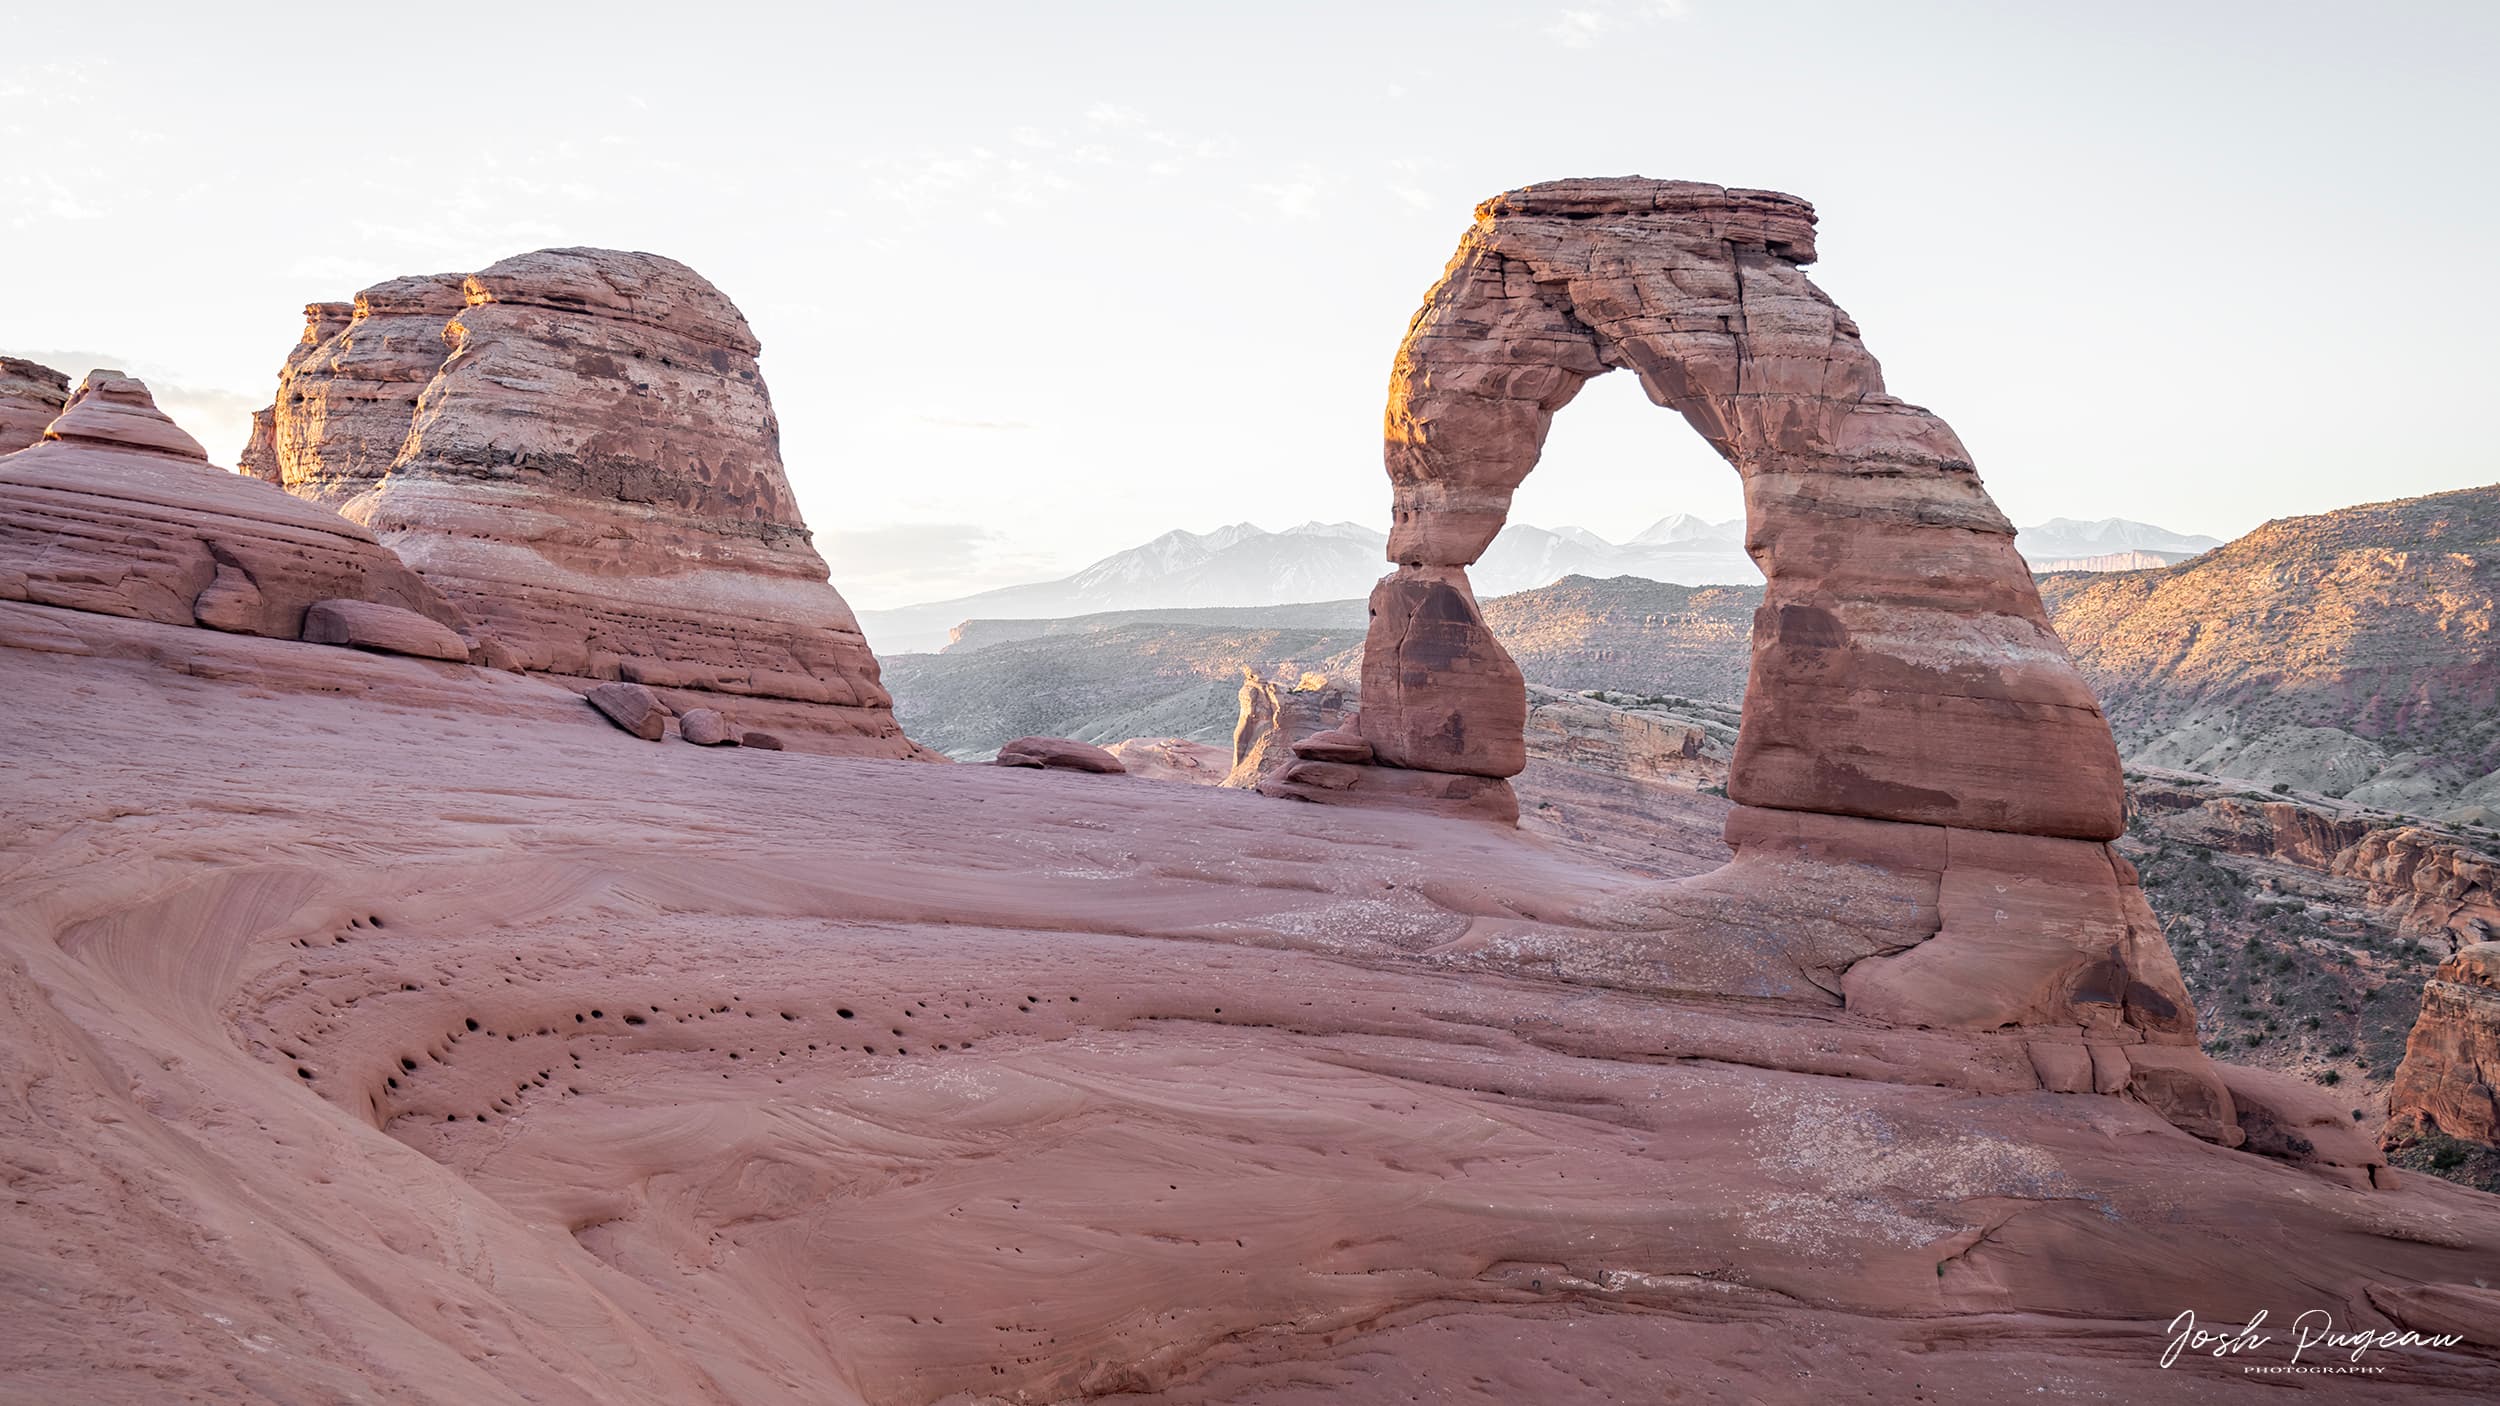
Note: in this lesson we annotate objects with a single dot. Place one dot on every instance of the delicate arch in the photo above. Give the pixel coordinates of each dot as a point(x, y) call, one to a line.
point(1903, 668)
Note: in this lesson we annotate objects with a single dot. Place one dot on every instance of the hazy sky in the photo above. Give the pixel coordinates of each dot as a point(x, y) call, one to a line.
point(1038, 281)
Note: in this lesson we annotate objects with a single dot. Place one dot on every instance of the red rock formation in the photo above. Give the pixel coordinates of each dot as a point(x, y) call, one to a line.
point(594, 475)
point(31, 395)
point(1903, 668)
point(119, 512)
point(2450, 1079)
point(1908, 706)
point(1275, 714)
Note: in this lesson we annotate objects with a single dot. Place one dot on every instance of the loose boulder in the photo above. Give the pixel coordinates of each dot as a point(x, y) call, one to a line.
point(1059, 754)
point(632, 707)
point(705, 727)
point(388, 629)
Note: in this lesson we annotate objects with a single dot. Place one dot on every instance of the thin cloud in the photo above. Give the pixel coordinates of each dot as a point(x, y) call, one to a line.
point(1582, 26)
point(948, 422)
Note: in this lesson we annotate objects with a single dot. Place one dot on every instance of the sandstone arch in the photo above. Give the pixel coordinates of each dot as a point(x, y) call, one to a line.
point(1924, 784)
point(1903, 668)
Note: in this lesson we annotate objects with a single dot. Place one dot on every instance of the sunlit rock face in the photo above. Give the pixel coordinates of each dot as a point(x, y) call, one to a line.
point(117, 511)
point(576, 445)
point(346, 394)
point(31, 395)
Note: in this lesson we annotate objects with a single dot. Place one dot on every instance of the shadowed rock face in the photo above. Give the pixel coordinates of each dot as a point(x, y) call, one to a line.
point(118, 511)
point(1902, 666)
point(31, 394)
point(576, 445)
point(2450, 1079)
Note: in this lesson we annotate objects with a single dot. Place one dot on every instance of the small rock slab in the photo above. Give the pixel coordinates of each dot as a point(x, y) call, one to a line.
point(632, 707)
point(1336, 744)
point(761, 741)
point(705, 727)
point(1060, 754)
point(365, 624)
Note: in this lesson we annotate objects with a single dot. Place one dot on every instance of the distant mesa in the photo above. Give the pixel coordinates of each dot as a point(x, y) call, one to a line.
point(117, 511)
point(577, 447)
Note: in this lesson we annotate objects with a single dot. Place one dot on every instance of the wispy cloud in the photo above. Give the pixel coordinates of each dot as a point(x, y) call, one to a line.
point(949, 422)
point(898, 563)
point(1580, 26)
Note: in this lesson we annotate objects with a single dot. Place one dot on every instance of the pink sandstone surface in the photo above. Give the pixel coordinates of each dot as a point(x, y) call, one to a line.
point(972, 1084)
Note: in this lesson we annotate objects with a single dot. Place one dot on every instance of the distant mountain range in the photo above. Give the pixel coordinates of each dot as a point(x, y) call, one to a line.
point(2353, 654)
point(2112, 544)
point(1245, 565)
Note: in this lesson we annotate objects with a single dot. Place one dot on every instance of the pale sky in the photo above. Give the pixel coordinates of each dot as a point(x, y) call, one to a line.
point(1038, 282)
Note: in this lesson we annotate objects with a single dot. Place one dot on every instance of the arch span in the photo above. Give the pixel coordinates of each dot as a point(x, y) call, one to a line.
point(1924, 785)
point(1903, 668)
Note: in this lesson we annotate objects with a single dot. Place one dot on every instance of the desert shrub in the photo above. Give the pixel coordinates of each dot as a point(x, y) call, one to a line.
point(2331, 1078)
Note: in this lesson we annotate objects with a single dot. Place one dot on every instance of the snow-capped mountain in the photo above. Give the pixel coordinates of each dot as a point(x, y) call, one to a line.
point(2065, 539)
point(1246, 565)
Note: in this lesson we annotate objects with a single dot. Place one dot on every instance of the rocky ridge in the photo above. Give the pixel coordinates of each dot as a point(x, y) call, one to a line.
point(2351, 654)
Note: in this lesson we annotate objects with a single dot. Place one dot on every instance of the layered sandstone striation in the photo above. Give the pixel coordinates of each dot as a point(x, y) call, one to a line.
point(2450, 1079)
point(118, 511)
point(1924, 785)
point(577, 447)
point(31, 396)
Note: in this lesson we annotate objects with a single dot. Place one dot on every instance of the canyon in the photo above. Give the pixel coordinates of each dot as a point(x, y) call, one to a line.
point(467, 1035)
